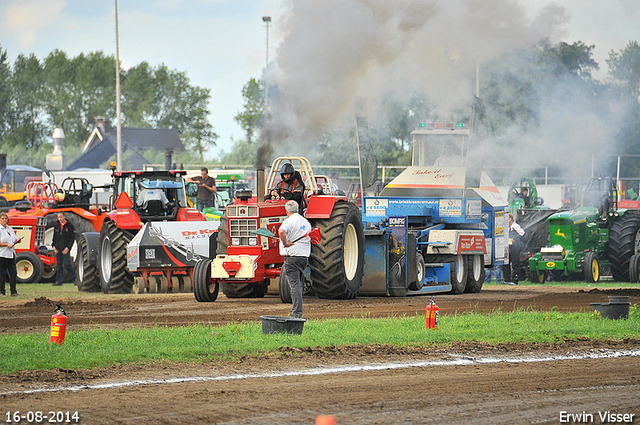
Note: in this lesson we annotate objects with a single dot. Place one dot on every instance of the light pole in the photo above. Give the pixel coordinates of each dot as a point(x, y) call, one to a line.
point(266, 20)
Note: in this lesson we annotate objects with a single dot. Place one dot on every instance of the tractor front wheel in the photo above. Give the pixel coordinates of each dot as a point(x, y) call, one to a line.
point(475, 277)
point(244, 290)
point(87, 278)
point(284, 288)
point(29, 267)
point(115, 278)
point(205, 288)
point(591, 268)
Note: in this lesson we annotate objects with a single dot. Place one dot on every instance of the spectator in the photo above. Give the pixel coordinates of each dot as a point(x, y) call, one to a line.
point(8, 241)
point(515, 245)
point(206, 188)
point(64, 235)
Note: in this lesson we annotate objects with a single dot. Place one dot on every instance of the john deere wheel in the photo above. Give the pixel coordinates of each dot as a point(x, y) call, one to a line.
point(337, 262)
point(537, 276)
point(115, 278)
point(205, 289)
point(624, 241)
point(476, 274)
point(591, 268)
point(29, 266)
point(634, 268)
point(87, 278)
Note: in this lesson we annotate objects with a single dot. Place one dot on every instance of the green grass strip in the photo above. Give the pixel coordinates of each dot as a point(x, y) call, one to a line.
point(99, 348)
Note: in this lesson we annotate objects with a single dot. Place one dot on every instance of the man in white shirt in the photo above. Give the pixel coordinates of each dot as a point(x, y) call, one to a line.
point(515, 245)
point(295, 247)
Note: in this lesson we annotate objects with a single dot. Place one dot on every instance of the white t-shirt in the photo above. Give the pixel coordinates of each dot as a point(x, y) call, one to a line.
point(7, 235)
point(296, 226)
point(515, 227)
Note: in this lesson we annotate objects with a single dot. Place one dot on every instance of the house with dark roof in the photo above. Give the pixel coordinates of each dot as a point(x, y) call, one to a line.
point(102, 143)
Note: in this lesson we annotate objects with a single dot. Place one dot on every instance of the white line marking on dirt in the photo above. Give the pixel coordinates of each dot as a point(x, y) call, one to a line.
point(461, 361)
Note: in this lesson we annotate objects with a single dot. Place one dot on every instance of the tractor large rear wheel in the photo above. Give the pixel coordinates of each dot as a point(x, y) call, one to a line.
point(205, 289)
point(115, 278)
point(624, 241)
point(337, 262)
point(87, 278)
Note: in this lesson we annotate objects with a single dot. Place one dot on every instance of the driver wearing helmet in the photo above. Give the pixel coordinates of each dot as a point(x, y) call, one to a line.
point(290, 187)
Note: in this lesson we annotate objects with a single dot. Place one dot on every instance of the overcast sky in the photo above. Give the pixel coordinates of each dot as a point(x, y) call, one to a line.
point(221, 44)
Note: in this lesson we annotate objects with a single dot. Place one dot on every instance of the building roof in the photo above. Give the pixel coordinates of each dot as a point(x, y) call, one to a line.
point(102, 142)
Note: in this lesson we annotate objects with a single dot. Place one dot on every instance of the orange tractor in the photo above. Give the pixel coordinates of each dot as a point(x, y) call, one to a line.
point(138, 198)
point(34, 219)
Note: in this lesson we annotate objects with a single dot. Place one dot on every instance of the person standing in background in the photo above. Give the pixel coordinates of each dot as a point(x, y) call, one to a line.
point(206, 188)
point(64, 235)
point(515, 246)
point(8, 241)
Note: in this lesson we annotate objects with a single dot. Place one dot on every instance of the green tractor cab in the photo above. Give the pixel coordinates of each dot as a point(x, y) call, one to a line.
point(595, 236)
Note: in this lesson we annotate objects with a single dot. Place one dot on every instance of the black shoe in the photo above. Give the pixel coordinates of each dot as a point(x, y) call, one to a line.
point(15, 294)
point(56, 284)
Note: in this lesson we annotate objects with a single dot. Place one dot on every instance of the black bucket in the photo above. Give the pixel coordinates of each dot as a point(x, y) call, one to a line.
point(616, 308)
point(277, 324)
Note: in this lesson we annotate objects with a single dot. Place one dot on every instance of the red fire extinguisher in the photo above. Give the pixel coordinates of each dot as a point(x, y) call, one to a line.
point(432, 312)
point(58, 326)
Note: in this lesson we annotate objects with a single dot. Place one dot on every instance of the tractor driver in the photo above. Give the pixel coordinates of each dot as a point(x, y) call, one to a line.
point(291, 186)
point(525, 197)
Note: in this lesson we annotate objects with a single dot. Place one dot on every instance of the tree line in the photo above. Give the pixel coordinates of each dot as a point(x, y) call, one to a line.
point(36, 96)
point(516, 89)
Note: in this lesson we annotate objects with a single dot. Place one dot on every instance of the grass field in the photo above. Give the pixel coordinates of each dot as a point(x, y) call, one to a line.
point(97, 348)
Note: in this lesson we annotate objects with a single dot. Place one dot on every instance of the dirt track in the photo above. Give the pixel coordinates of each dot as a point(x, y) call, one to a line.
point(475, 384)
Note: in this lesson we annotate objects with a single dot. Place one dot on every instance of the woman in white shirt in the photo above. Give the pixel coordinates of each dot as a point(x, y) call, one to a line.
point(8, 241)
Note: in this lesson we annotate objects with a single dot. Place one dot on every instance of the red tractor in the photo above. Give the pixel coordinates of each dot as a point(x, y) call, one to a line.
point(138, 197)
point(246, 262)
point(34, 219)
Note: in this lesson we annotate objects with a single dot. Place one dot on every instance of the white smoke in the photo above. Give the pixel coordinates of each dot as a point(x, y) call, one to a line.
point(337, 51)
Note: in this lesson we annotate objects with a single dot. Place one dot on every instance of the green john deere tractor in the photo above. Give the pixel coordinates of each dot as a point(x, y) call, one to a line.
point(593, 237)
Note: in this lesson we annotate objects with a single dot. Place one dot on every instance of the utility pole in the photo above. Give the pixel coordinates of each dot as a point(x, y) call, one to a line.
point(266, 20)
point(118, 112)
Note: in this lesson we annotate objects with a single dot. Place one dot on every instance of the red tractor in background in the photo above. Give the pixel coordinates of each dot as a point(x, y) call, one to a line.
point(34, 219)
point(246, 262)
point(102, 257)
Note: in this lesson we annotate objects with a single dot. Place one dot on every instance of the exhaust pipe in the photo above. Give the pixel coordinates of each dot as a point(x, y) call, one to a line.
point(260, 184)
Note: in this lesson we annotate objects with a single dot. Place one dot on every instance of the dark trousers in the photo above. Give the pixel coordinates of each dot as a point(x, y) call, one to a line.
point(294, 268)
point(63, 262)
point(8, 265)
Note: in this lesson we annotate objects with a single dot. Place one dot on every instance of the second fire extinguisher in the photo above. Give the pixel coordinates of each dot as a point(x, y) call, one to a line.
point(58, 326)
